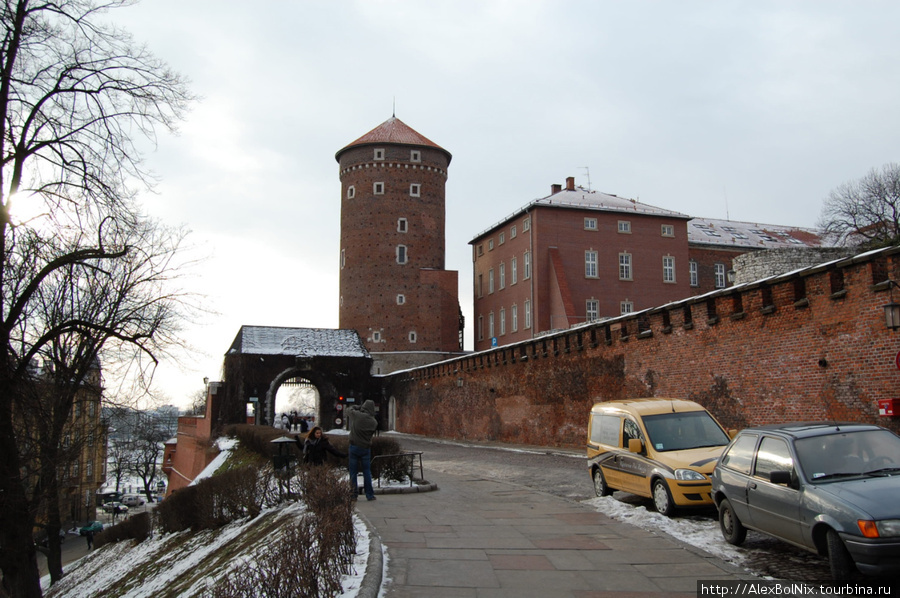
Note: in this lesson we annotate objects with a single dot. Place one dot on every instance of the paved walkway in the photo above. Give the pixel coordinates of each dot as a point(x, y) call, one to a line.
point(487, 539)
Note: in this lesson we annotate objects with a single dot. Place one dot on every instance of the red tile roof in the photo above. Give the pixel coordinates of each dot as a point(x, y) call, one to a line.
point(393, 130)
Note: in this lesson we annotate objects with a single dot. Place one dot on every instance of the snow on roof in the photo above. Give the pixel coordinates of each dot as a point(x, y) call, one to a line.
point(732, 233)
point(300, 342)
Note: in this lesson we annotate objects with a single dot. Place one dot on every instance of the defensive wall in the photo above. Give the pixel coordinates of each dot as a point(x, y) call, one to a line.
point(811, 344)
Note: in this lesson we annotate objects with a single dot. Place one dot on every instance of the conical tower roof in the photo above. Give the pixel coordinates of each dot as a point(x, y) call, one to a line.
point(394, 131)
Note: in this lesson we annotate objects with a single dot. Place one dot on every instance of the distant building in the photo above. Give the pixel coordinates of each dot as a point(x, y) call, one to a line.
point(394, 290)
point(578, 255)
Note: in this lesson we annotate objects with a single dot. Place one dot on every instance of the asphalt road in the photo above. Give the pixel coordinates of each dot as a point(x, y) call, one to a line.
point(564, 473)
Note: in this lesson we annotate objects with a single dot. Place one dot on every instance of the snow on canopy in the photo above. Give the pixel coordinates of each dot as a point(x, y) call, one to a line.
point(300, 342)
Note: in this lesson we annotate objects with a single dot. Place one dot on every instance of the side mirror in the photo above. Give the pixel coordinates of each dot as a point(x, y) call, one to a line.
point(780, 477)
point(635, 445)
point(732, 433)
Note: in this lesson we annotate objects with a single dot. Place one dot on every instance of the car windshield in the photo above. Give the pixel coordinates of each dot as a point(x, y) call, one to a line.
point(685, 430)
point(853, 453)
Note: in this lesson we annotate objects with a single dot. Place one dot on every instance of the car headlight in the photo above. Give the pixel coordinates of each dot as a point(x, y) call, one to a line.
point(879, 529)
point(689, 475)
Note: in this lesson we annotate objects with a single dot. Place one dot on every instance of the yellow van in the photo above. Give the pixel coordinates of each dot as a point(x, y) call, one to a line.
point(664, 449)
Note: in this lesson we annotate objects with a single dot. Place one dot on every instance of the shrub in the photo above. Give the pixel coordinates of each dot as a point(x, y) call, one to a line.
point(136, 527)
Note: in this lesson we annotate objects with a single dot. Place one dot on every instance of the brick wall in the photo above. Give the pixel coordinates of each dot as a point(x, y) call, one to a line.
point(803, 346)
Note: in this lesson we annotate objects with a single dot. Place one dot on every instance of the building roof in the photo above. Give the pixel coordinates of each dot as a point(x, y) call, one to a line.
point(395, 131)
point(731, 233)
point(300, 342)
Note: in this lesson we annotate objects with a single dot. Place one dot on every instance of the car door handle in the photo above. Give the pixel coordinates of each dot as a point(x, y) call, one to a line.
point(753, 485)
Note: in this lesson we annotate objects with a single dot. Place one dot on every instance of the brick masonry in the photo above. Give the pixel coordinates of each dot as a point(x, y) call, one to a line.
point(808, 345)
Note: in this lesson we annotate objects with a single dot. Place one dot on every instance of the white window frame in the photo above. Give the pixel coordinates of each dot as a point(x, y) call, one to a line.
point(592, 310)
point(415, 156)
point(513, 270)
point(378, 188)
point(415, 189)
point(502, 238)
point(502, 276)
point(667, 230)
point(526, 274)
point(527, 306)
point(351, 192)
point(512, 232)
point(491, 325)
point(401, 299)
point(668, 269)
point(490, 244)
point(626, 307)
point(695, 271)
point(514, 317)
point(402, 254)
point(402, 225)
point(625, 267)
point(379, 153)
point(490, 281)
point(590, 264)
point(412, 336)
point(343, 258)
point(720, 275)
point(502, 321)
point(376, 336)
point(625, 227)
point(526, 224)
point(590, 224)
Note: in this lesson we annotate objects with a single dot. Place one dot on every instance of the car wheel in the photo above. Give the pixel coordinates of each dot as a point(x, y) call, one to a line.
point(601, 488)
point(839, 558)
point(733, 530)
point(662, 499)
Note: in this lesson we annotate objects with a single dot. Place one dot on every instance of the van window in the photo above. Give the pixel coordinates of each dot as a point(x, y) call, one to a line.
point(740, 455)
point(631, 430)
point(605, 429)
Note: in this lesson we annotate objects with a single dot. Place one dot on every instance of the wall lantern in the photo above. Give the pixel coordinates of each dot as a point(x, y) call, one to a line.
point(459, 382)
point(892, 310)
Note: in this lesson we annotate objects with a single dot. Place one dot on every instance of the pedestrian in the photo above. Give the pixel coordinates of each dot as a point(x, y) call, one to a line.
point(362, 425)
point(304, 425)
point(315, 447)
point(89, 536)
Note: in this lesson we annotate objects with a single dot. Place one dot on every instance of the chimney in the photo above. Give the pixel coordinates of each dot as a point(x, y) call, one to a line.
point(570, 183)
point(554, 189)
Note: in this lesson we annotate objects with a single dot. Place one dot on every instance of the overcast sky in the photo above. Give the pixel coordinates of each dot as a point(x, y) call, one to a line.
point(750, 110)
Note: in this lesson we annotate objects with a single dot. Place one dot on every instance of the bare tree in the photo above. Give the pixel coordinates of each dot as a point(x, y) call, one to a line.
point(147, 449)
point(90, 278)
point(865, 212)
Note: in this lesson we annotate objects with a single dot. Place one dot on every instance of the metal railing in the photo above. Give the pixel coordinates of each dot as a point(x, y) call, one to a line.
point(408, 465)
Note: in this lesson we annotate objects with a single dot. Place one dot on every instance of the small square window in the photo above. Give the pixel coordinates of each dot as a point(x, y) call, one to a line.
point(401, 299)
point(415, 190)
point(668, 230)
point(379, 153)
point(625, 226)
point(590, 224)
point(627, 307)
point(502, 238)
point(402, 225)
point(351, 192)
point(378, 188)
point(376, 336)
point(412, 336)
point(415, 156)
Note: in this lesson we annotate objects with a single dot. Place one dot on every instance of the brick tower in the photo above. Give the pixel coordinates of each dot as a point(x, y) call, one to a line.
point(394, 290)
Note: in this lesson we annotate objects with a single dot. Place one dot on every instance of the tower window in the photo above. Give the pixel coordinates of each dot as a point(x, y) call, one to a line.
point(351, 192)
point(402, 256)
point(343, 258)
point(415, 156)
point(378, 188)
point(379, 153)
point(376, 336)
point(412, 336)
point(401, 299)
point(402, 225)
point(415, 190)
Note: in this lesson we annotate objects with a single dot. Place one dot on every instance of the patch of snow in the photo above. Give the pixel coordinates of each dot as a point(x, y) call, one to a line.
point(225, 445)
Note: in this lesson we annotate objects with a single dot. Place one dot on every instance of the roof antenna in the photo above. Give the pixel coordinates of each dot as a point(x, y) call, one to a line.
point(587, 172)
point(394, 108)
point(725, 193)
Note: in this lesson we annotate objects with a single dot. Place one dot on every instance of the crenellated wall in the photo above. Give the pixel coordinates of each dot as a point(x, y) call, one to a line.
point(807, 345)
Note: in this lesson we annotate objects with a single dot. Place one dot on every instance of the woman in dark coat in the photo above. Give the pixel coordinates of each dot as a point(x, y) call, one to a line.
point(316, 446)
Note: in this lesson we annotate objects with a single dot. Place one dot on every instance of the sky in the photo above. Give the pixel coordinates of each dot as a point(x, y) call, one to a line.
point(747, 111)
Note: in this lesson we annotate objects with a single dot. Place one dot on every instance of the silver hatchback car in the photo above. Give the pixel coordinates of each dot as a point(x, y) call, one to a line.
point(831, 488)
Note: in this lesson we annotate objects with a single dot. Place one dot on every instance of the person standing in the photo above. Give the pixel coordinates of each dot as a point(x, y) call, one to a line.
point(315, 447)
point(89, 536)
point(362, 424)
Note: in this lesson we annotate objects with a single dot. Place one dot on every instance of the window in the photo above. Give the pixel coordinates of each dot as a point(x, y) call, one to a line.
point(402, 257)
point(527, 265)
point(415, 156)
point(376, 336)
point(624, 266)
point(402, 225)
point(694, 270)
point(480, 328)
point(527, 313)
point(720, 276)
point(740, 454)
point(480, 285)
point(590, 264)
point(415, 190)
point(773, 455)
point(668, 269)
point(512, 233)
point(502, 321)
point(480, 250)
point(590, 224)
point(89, 469)
point(513, 271)
point(351, 192)
point(626, 307)
point(592, 309)
point(92, 409)
point(378, 188)
point(412, 336)
point(343, 258)
point(514, 317)
point(668, 230)
point(625, 226)
point(490, 244)
point(526, 224)
point(502, 238)
point(401, 299)
point(502, 276)
point(379, 153)
point(491, 325)
point(490, 281)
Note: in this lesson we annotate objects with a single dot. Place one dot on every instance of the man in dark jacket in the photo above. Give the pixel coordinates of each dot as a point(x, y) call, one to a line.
point(362, 425)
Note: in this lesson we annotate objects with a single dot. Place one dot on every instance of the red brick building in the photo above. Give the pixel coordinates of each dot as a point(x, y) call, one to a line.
point(394, 290)
point(577, 256)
